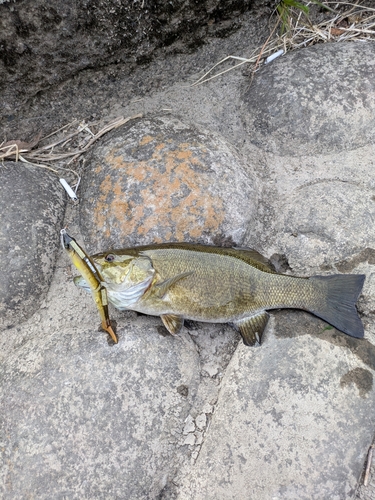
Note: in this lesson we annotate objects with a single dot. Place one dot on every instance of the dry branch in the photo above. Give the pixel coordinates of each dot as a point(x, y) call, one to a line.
point(42, 156)
point(304, 34)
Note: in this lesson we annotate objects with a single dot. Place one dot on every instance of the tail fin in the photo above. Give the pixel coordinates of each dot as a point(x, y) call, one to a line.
point(342, 292)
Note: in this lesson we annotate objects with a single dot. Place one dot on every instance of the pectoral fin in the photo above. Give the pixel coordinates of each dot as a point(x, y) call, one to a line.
point(80, 282)
point(252, 328)
point(172, 323)
point(163, 287)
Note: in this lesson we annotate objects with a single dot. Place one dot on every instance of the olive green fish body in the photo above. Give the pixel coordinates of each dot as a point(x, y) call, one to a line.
point(219, 288)
point(222, 285)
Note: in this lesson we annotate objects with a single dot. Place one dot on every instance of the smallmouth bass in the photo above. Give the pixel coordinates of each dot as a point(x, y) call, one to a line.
point(178, 281)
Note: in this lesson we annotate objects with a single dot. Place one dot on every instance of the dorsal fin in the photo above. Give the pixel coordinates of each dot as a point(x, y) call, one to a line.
point(256, 259)
point(248, 255)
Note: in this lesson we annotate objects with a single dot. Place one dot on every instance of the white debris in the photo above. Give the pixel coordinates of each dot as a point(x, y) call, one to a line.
point(207, 408)
point(201, 421)
point(210, 369)
point(69, 190)
point(199, 438)
point(274, 56)
point(190, 439)
point(189, 425)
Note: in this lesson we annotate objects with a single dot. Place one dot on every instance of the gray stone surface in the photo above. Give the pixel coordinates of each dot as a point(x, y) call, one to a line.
point(161, 180)
point(43, 43)
point(32, 210)
point(319, 209)
point(89, 420)
point(294, 418)
point(83, 419)
point(316, 100)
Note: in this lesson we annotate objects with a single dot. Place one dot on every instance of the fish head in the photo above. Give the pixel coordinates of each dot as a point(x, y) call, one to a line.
point(124, 270)
point(126, 277)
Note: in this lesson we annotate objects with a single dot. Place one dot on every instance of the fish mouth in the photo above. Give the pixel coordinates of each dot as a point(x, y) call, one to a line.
point(126, 287)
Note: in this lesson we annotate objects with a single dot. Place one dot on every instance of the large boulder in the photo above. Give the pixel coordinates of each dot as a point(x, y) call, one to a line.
point(159, 180)
point(84, 419)
point(43, 43)
point(32, 210)
point(310, 120)
point(293, 418)
point(315, 100)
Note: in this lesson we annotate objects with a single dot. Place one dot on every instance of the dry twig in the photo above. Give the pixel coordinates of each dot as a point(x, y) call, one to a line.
point(42, 156)
point(355, 24)
point(368, 466)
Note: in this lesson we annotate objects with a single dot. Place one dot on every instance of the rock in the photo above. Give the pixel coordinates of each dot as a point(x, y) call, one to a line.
point(291, 422)
point(47, 42)
point(158, 181)
point(318, 210)
point(317, 207)
point(201, 421)
point(190, 440)
point(319, 99)
point(189, 425)
point(32, 209)
point(84, 419)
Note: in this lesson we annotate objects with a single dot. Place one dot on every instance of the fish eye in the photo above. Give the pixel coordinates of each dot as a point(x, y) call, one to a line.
point(109, 258)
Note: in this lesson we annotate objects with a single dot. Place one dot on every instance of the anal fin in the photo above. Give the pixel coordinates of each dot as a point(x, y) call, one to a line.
point(252, 328)
point(172, 323)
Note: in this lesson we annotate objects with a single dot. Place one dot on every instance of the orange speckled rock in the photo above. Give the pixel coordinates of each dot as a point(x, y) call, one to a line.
point(158, 180)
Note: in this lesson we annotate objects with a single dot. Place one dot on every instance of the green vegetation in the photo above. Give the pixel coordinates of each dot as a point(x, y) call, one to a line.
point(288, 10)
point(328, 327)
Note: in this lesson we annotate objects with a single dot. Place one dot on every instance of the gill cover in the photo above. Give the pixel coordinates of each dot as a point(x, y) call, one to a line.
point(127, 279)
